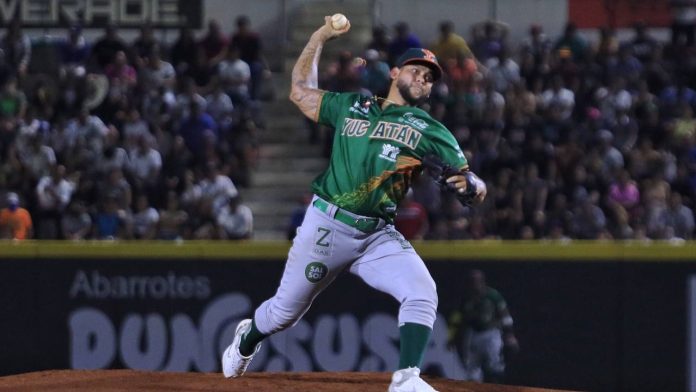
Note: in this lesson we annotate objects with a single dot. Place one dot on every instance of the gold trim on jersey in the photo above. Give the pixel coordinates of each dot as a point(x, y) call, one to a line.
point(404, 165)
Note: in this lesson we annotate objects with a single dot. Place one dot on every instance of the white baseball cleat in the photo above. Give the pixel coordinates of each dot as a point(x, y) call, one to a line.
point(235, 364)
point(408, 380)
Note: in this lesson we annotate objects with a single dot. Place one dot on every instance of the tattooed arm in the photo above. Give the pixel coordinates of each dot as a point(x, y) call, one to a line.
point(304, 91)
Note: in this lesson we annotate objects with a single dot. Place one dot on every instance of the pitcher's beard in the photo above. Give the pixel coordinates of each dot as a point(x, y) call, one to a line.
point(405, 92)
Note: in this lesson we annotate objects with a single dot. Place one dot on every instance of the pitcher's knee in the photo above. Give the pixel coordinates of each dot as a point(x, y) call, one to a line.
point(421, 308)
point(272, 316)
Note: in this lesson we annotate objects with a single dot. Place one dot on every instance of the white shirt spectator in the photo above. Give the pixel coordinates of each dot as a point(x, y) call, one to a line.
point(504, 75)
point(236, 224)
point(611, 102)
point(37, 160)
point(113, 158)
point(145, 222)
point(235, 75)
point(220, 107)
point(92, 130)
point(132, 130)
point(219, 190)
point(162, 76)
point(183, 104)
point(54, 196)
point(145, 164)
point(563, 97)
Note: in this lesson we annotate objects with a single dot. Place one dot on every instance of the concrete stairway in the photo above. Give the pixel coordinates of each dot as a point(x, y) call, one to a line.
point(288, 162)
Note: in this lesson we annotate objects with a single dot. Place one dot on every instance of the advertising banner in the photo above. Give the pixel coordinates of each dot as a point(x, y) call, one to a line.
point(599, 326)
point(99, 13)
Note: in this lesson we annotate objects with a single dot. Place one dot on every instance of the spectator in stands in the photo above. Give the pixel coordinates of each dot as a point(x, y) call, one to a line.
point(683, 22)
point(36, 158)
point(374, 74)
point(677, 219)
point(105, 48)
point(86, 129)
point(380, 42)
point(184, 53)
point(114, 186)
point(134, 127)
point(53, 193)
point(489, 39)
point(74, 53)
point(172, 219)
point(449, 44)
point(111, 222)
point(145, 164)
point(248, 43)
point(537, 44)
point(402, 41)
point(15, 221)
point(613, 100)
point(503, 71)
point(13, 106)
point(76, 224)
point(642, 44)
point(216, 187)
point(144, 45)
point(558, 96)
point(342, 74)
point(122, 76)
point(156, 73)
point(195, 129)
point(188, 94)
point(214, 44)
point(607, 48)
point(220, 107)
point(589, 221)
point(191, 193)
point(235, 220)
point(612, 160)
point(624, 192)
point(572, 42)
point(234, 76)
point(15, 52)
point(145, 219)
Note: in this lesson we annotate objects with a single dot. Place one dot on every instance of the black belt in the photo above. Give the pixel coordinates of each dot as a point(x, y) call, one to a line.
point(362, 223)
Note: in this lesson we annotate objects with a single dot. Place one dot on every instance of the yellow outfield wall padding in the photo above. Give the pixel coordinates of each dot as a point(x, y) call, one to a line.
point(429, 250)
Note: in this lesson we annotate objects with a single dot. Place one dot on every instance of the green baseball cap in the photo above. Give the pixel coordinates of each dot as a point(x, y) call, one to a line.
point(423, 57)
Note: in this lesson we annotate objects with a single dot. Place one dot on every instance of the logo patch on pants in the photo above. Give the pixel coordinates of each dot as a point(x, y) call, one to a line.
point(323, 242)
point(316, 271)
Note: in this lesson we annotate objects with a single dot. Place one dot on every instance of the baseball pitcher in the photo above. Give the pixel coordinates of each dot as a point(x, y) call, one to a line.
point(379, 145)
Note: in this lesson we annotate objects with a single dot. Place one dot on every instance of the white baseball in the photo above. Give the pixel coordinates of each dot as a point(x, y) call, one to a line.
point(338, 21)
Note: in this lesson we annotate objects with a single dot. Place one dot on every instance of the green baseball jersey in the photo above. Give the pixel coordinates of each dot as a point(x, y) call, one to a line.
point(480, 313)
point(376, 152)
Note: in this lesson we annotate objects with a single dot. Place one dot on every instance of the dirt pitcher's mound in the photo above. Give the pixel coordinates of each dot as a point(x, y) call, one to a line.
point(133, 381)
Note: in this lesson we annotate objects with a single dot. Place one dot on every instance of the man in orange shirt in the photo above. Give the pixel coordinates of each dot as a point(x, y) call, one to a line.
point(15, 221)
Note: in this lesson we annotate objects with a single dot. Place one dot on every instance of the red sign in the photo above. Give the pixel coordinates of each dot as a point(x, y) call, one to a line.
point(619, 13)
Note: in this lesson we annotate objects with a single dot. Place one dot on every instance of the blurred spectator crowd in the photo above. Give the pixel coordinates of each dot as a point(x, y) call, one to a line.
point(117, 140)
point(576, 139)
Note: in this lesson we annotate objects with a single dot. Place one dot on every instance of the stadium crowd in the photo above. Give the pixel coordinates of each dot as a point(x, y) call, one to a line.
point(111, 139)
point(576, 139)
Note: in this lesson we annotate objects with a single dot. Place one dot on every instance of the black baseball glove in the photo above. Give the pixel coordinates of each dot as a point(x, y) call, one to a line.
point(441, 171)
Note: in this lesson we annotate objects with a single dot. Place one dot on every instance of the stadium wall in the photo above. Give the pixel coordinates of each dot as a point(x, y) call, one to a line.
point(589, 316)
